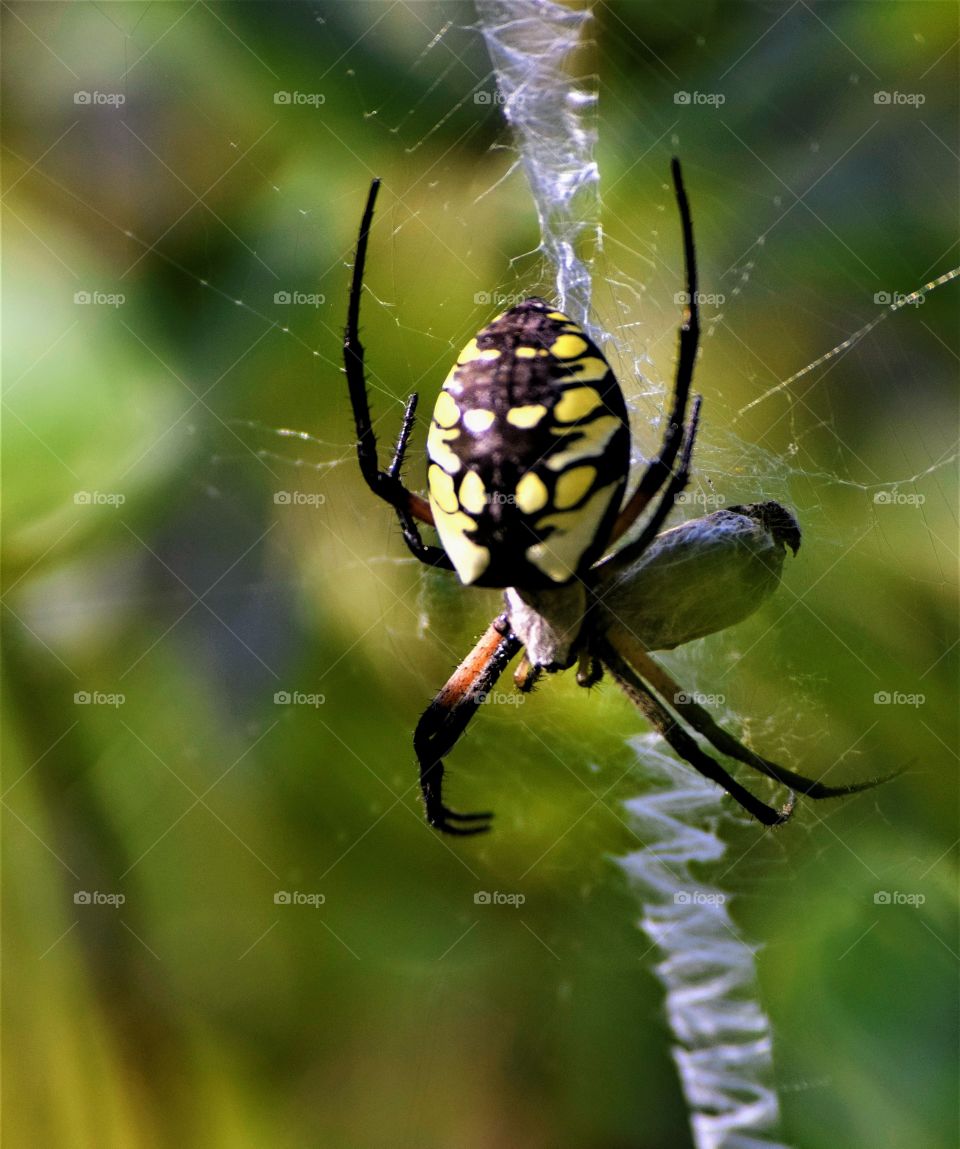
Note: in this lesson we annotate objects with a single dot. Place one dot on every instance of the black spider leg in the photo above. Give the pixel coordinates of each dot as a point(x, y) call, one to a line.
point(678, 481)
point(447, 716)
point(676, 736)
point(720, 739)
point(658, 469)
point(627, 555)
point(433, 556)
point(387, 484)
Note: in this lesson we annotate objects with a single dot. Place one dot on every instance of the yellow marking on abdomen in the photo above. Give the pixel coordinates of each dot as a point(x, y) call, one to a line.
point(440, 485)
point(469, 559)
point(438, 449)
point(473, 494)
point(478, 420)
point(572, 485)
point(445, 411)
point(528, 416)
point(559, 556)
point(589, 369)
point(531, 493)
point(472, 352)
point(568, 346)
point(596, 436)
point(575, 404)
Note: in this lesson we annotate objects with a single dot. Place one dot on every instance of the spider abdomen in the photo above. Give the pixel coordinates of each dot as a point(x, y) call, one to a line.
point(528, 452)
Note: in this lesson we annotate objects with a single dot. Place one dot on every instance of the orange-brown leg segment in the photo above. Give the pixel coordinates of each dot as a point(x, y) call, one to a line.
point(446, 718)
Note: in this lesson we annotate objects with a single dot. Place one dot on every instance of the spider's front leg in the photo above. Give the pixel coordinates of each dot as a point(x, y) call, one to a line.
point(659, 470)
point(386, 485)
point(447, 716)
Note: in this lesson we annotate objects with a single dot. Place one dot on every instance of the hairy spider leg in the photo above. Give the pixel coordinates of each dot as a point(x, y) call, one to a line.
point(676, 736)
point(701, 721)
point(387, 485)
point(678, 481)
point(447, 716)
point(658, 469)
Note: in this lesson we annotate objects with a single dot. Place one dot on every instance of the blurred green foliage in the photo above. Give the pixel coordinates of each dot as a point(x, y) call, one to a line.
point(398, 1012)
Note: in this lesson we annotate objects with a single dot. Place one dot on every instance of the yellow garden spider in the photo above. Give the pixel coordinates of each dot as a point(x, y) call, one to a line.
point(529, 453)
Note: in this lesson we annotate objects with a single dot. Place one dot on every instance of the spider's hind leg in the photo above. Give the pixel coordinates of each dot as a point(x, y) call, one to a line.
point(446, 718)
point(721, 739)
point(642, 696)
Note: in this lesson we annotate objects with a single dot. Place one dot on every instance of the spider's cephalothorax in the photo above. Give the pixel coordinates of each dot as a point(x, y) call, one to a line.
point(528, 451)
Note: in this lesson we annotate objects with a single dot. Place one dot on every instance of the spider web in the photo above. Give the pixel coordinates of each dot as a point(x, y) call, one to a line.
point(723, 1041)
point(788, 370)
point(800, 457)
point(771, 430)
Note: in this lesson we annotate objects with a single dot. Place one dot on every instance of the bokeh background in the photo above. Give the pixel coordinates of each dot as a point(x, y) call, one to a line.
point(172, 564)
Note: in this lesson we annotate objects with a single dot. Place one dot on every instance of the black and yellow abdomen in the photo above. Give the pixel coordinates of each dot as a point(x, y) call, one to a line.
point(529, 450)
